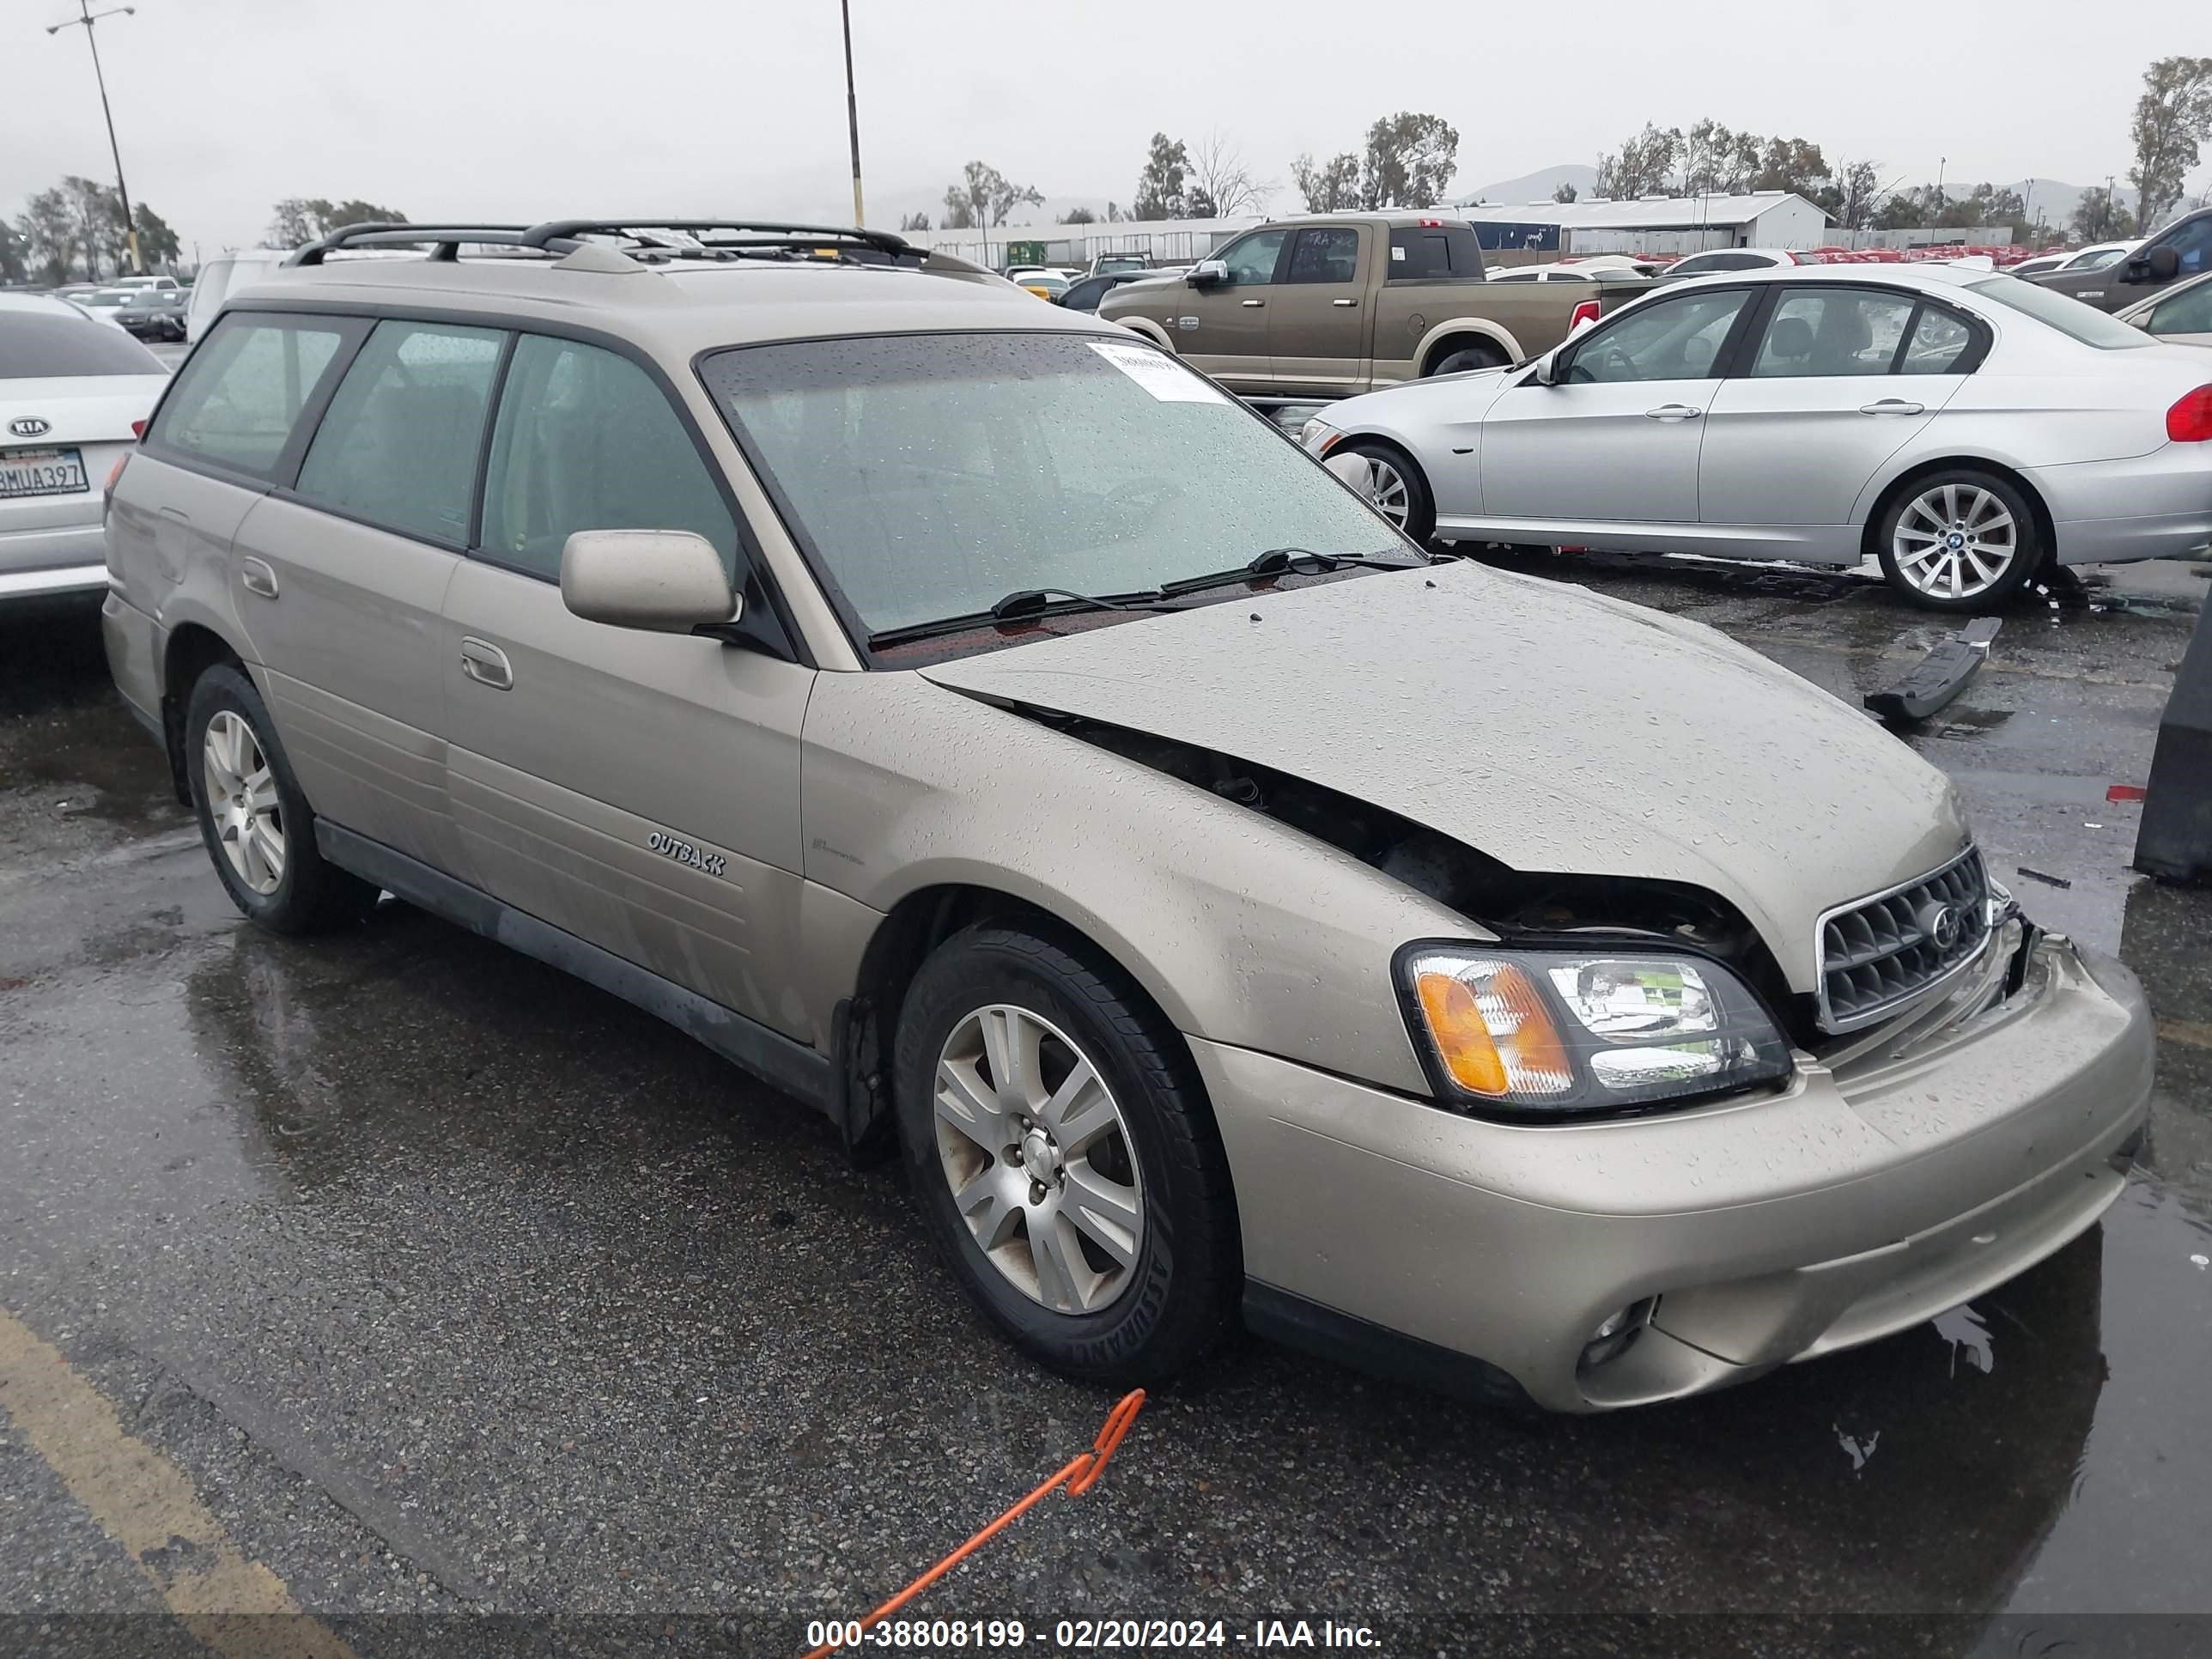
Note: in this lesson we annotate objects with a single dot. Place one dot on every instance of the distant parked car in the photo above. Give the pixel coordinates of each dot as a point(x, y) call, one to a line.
point(1045, 284)
point(2182, 315)
point(2183, 249)
point(1111, 262)
point(1964, 427)
point(166, 284)
point(2095, 257)
point(152, 313)
point(73, 394)
point(1735, 258)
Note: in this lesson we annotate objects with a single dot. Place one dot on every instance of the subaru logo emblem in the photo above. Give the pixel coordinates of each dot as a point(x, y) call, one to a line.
point(30, 426)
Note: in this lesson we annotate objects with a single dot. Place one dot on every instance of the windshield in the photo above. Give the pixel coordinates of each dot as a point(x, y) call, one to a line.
point(2063, 311)
point(930, 476)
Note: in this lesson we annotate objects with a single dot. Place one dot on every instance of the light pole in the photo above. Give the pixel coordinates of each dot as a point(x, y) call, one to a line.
point(86, 19)
point(1941, 162)
point(852, 110)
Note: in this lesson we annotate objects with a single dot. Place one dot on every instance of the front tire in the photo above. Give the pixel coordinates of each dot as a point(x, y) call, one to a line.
point(1467, 357)
point(1396, 485)
point(1064, 1158)
point(258, 826)
point(1960, 540)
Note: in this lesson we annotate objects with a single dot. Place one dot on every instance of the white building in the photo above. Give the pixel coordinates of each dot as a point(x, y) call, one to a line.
point(1654, 224)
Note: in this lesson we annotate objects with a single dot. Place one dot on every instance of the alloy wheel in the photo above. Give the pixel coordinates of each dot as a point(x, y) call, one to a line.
point(1038, 1158)
point(1384, 486)
point(1954, 541)
point(241, 801)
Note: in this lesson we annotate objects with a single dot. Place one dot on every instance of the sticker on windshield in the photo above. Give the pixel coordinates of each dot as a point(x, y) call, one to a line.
point(1167, 382)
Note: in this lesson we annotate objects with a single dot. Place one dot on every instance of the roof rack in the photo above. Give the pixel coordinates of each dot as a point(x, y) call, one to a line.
point(725, 238)
point(448, 239)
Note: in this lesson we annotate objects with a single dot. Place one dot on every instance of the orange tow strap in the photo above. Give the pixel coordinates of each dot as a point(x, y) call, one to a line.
point(1081, 1474)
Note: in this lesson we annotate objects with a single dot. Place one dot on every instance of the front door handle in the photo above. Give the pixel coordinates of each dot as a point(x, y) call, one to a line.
point(487, 665)
point(256, 577)
point(1252, 302)
point(1893, 406)
point(1344, 302)
point(1673, 412)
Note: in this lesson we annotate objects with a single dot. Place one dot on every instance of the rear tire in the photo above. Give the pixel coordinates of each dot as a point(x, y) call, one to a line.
point(258, 828)
point(1133, 1285)
point(1962, 541)
point(1463, 358)
point(1396, 486)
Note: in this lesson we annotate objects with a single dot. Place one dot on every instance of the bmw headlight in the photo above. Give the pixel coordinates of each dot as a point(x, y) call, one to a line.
point(1318, 436)
point(1564, 1032)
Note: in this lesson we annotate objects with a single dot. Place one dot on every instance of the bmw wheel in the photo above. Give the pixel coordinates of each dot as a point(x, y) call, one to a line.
point(1065, 1157)
point(1396, 486)
point(1959, 541)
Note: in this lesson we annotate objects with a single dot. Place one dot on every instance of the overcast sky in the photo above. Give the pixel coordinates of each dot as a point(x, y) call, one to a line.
point(522, 109)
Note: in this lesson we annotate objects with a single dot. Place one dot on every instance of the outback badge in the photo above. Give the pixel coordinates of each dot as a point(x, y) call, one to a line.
point(683, 852)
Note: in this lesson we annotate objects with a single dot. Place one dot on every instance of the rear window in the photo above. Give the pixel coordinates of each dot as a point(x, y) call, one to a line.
point(240, 393)
point(1429, 252)
point(40, 345)
point(2063, 311)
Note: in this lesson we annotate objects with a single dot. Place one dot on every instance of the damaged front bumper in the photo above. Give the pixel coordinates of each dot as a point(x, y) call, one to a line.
point(1894, 1177)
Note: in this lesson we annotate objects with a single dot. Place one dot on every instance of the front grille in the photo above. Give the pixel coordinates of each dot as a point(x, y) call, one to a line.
point(1879, 953)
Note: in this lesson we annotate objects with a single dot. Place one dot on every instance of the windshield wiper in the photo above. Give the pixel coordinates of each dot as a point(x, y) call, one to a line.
point(1023, 605)
point(1281, 561)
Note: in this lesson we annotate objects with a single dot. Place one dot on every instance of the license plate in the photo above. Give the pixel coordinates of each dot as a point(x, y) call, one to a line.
point(42, 473)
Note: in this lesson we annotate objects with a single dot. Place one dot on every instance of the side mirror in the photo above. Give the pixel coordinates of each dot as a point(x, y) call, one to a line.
point(1207, 273)
point(665, 581)
point(1544, 371)
point(2162, 264)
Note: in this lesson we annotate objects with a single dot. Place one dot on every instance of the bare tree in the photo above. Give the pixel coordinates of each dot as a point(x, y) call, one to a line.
point(2172, 118)
point(914, 221)
point(2097, 217)
point(1078, 216)
point(1333, 185)
point(1218, 172)
point(1565, 192)
point(983, 197)
point(1643, 164)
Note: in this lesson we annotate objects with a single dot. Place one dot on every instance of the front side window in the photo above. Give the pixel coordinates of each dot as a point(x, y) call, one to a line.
point(586, 440)
point(931, 476)
point(2192, 245)
point(240, 394)
point(1327, 254)
point(1674, 339)
point(1821, 333)
point(1252, 259)
point(398, 445)
point(2184, 313)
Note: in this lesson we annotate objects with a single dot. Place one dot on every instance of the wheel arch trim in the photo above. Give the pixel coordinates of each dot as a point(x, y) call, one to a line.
point(1482, 327)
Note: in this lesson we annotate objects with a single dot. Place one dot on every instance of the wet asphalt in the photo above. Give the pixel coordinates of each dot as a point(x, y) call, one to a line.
point(457, 1288)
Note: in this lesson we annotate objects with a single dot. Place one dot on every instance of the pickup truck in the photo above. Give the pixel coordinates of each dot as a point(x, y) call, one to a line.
point(1331, 304)
point(2183, 249)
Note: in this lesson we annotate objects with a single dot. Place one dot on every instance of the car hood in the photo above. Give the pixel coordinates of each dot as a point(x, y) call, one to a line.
point(1545, 725)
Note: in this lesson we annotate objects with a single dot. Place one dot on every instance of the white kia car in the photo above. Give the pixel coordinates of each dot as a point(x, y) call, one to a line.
point(1963, 428)
point(74, 395)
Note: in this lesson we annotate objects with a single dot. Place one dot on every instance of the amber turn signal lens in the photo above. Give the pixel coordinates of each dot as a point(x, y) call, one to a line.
point(1463, 1040)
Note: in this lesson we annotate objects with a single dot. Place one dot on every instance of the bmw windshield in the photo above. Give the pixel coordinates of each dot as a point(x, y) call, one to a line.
point(931, 476)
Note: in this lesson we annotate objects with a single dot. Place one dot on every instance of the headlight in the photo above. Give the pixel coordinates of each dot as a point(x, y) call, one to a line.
point(1561, 1032)
point(1318, 435)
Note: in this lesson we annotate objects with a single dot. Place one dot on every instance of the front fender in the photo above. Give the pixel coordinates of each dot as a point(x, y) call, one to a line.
point(1242, 930)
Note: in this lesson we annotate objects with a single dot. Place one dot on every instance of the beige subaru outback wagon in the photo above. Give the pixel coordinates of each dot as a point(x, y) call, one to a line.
point(970, 719)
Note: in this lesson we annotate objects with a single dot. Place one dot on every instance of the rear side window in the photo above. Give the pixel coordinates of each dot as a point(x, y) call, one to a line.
point(1940, 343)
point(240, 394)
point(1821, 333)
point(398, 445)
point(1431, 251)
point(585, 441)
point(39, 345)
point(1328, 254)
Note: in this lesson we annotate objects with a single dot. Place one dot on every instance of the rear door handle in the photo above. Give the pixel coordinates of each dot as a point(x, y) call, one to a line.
point(1344, 302)
point(1252, 302)
point(1893, 406)
point(1673, 412)
point(256, 577)
point(486, 665)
